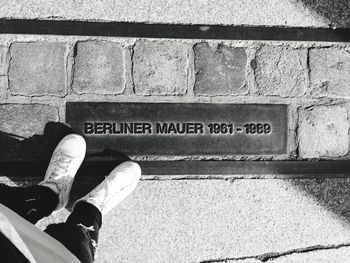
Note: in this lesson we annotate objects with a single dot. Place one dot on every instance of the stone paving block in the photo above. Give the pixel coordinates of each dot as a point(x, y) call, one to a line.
point(160, 68)
point(25, 120)
point(281, 71)
point(99, 68)
point(3, 60)
point(323, 131)
point(38, 68)
point(3, 87)
point(220, 70)
point(330, 71)
point(197, 220)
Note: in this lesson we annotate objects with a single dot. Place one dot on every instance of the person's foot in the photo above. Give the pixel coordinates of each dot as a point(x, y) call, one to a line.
point(120, 182)
point(64, 164)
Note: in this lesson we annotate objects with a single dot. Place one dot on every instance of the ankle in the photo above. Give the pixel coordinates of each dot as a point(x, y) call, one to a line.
point(51, 186)
point(88, 201)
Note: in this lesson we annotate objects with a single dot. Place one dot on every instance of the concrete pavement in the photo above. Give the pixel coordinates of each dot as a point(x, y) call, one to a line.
point(228, 12)
point(243, 220)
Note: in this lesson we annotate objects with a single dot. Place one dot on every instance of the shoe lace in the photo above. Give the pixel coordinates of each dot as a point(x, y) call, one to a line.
point(60, 163)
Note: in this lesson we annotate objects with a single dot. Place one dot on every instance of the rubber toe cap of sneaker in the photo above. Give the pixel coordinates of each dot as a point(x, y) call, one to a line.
point(74, 145)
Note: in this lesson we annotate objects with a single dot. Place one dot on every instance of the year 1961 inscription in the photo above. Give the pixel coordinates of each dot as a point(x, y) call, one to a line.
point(181, 128)
point(172, 128)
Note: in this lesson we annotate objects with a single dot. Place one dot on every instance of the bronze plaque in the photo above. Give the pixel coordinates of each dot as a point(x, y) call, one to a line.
point(181, 129)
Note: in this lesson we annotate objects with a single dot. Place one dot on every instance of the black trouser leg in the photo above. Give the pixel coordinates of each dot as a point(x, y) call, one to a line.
point(80, 232)
point(32, 203)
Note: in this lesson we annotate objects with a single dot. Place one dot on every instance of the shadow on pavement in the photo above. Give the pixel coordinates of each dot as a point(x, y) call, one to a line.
point(332, 193)
point(337, 12)
point(25, 160)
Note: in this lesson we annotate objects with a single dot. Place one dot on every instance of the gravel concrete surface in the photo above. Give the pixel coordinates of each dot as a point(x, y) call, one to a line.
point(228, 12)
point(216, 220)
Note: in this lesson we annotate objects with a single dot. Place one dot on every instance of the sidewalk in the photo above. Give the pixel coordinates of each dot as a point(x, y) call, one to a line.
point(213, 220)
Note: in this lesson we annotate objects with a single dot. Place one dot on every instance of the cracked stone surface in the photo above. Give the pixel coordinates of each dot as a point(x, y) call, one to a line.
point(323, 131)
point(37, 69)
point(280, 71)
point(250, 260)
point(329, 71)
point(339, 255)
point(212, 220)
point(220, 70)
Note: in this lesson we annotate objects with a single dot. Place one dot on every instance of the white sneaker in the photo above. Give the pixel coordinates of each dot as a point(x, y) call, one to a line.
point(120, 182)
point(64, 164)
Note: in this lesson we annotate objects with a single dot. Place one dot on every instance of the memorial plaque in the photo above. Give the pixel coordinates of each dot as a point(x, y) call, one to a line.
point(181, 129)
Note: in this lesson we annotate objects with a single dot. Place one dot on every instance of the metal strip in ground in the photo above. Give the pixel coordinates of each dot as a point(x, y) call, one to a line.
point(177, 31)
point(196, 169)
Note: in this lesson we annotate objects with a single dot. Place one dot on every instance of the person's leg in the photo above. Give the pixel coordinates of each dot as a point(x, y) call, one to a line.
point(36, 202)
point(81, 231)
point(88, 217)
point(32, 203)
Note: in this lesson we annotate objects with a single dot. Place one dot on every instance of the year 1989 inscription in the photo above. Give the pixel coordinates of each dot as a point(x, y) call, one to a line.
point(181, 128)
point(174, 128)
